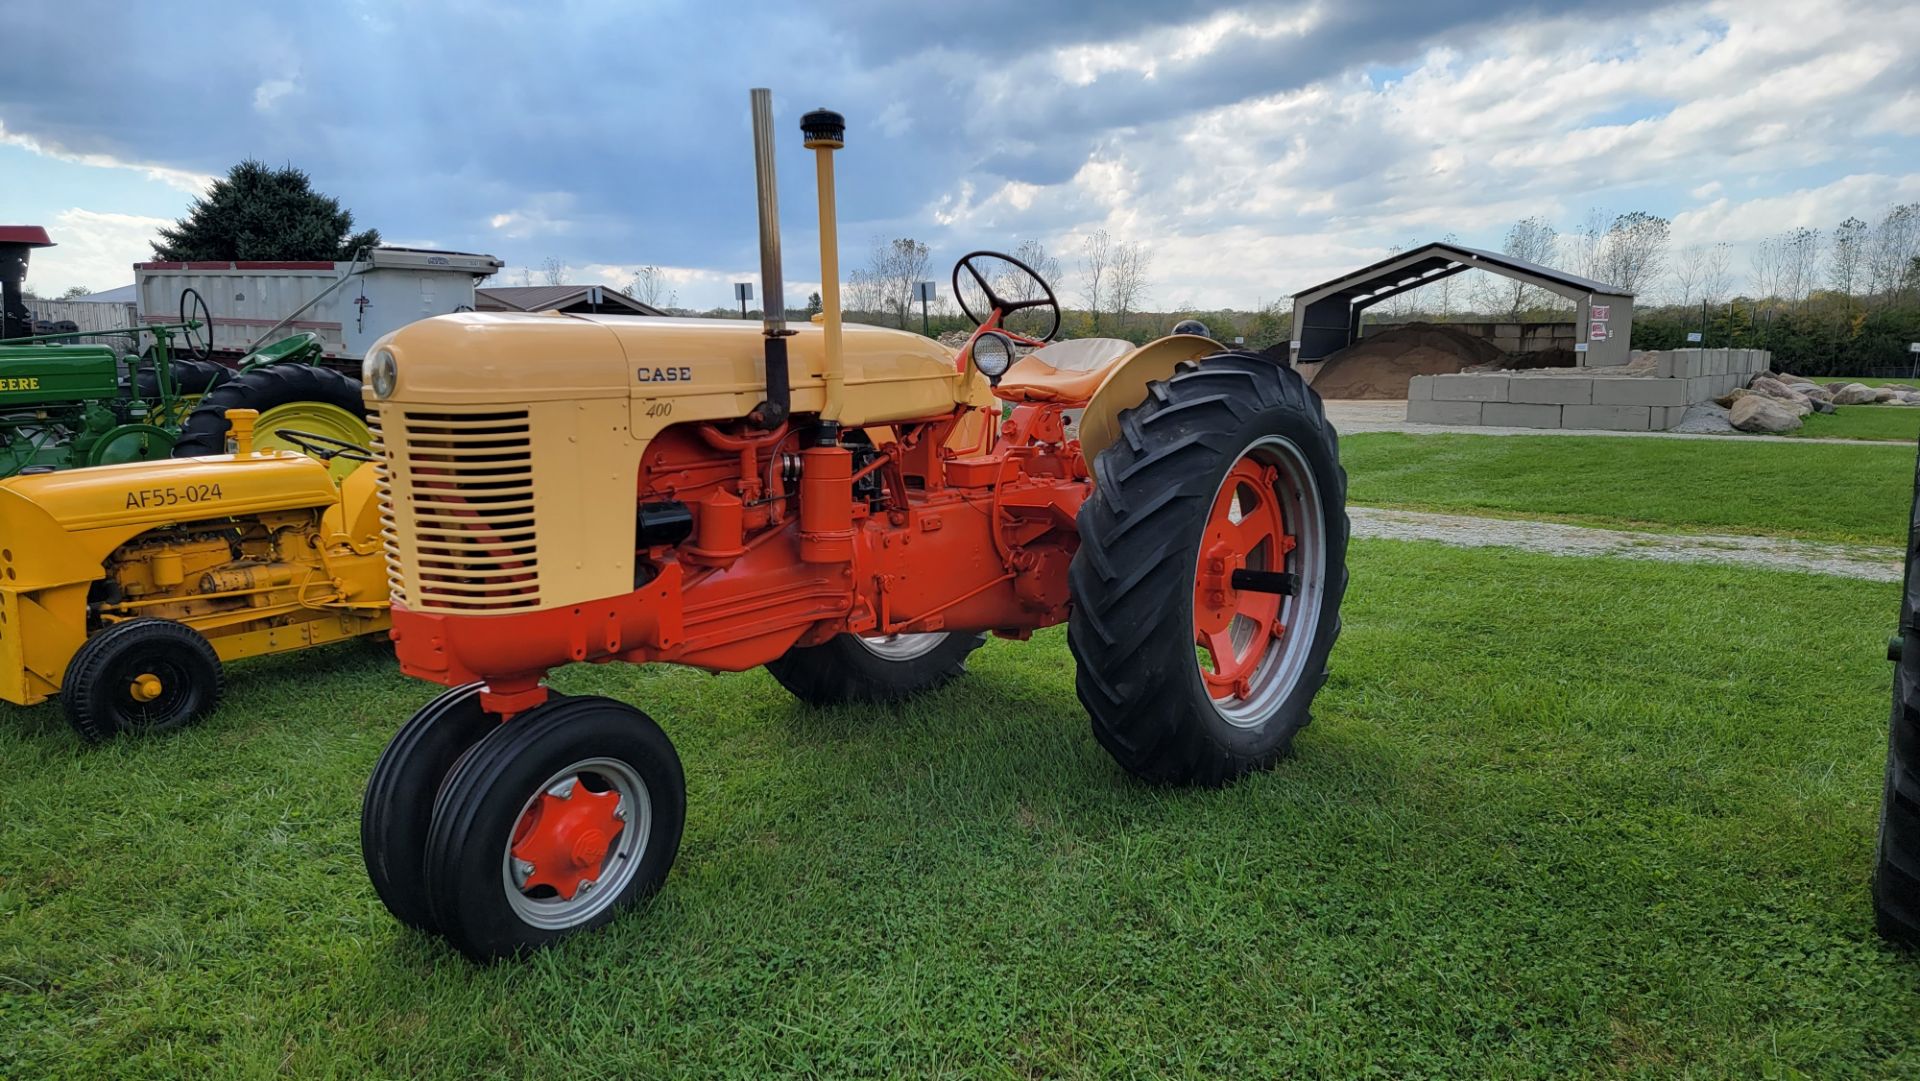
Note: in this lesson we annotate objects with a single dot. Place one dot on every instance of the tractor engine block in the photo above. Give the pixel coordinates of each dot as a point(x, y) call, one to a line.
point(203, 569)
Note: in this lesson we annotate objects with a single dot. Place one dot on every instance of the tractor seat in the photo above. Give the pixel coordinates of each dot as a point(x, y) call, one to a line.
point(1068, 371)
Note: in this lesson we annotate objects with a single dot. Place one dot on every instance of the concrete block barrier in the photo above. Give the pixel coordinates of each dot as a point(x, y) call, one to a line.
point(1610, 399)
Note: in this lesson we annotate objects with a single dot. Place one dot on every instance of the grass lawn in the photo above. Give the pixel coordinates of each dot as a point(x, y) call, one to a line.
point(1815, 491)
point(1889, 422)
point(1555, 818)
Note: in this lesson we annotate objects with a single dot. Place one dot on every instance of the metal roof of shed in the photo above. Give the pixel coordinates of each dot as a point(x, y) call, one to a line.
point(541, 298)
point(1442, 256)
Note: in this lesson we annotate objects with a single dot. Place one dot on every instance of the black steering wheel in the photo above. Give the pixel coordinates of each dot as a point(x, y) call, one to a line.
point(996, 301)
point(200, 345)
point(325, 447)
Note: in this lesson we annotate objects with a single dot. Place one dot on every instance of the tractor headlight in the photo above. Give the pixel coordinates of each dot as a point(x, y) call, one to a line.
point(380, 372)
point(993, 354)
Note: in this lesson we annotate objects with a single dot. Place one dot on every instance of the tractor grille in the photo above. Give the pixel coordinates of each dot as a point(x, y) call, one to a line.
point(457, 509)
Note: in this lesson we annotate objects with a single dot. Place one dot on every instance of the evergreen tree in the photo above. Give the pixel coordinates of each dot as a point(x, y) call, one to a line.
point(257, 212)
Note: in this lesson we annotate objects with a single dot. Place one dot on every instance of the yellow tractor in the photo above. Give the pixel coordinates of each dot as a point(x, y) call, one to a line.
point(124, 587)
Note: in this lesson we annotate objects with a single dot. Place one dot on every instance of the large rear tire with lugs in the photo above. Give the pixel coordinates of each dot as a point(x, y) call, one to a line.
point(1212, 563)
point(849, 668)
point(1896, 873)
point(299, 396)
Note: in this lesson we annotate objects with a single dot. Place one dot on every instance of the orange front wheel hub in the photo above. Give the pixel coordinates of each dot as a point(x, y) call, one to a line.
point(562, 840)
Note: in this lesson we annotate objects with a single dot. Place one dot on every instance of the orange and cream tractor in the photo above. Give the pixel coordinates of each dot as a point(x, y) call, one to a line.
point(853, 509)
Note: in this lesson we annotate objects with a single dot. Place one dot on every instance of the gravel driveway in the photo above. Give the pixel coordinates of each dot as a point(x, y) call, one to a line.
point(1553, 538)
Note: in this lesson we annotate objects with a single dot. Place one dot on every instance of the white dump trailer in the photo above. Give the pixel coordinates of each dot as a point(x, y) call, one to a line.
point(348, 304)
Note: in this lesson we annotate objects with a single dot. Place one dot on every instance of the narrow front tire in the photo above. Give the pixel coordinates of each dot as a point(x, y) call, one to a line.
point(553, 824)
point(396, 812)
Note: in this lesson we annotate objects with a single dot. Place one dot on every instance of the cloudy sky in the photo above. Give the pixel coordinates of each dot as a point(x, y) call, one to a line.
point(1252, 148)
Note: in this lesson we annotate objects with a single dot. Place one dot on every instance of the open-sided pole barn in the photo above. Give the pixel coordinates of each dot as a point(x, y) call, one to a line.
point(1326, 317)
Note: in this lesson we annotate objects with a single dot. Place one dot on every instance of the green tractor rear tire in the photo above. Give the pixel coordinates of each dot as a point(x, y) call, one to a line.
point(1896, 873)
point(189, 377)
point(300, 396)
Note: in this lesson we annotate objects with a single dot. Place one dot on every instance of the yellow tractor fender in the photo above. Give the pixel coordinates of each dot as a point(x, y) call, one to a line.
point(1126, 386)
point(355, 520)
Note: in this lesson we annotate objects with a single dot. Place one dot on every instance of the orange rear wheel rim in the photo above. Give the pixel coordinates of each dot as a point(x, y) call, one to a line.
point(1245, 530)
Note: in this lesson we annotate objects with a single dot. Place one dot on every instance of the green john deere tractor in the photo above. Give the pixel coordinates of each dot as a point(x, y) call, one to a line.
point(65, 403)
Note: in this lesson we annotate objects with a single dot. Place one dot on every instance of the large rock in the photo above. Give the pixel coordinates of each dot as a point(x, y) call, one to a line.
point(1853, 394)
point(1812, 390)
point(1885, 394)
point(1725, 401)
point(1759, 413)
point(1774, 388)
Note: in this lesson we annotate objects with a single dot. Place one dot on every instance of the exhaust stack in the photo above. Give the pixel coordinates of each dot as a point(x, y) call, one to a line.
point(772, 412)
point(826, 132)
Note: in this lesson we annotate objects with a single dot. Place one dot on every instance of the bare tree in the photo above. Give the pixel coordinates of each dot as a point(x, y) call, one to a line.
point(1584, 247)
point(1399, 306)
point(1846, 263)
point(893, 269)
point(553, 271)
point(1534, 240)
point(1012, 285)
point(1096, 259)
point(1689, 267)
point(1716, 277)
point(649, 287)
point(863, 294)
point(1766, 269)
point(1799, 262)
point(1891, 249)
point(1634, 250)
point(1128, 282)
point(1443, 290)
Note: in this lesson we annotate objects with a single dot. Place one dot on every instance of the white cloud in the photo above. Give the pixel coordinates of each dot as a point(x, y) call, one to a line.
point(185, 180)
point(544, 214)
point(894, 120)
point(1863, 196)
point(1667, 111)
point(94, 249)
point(269, 93)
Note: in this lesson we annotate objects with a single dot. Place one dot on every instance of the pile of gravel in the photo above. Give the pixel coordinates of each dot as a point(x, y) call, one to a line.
point(1705, 418)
